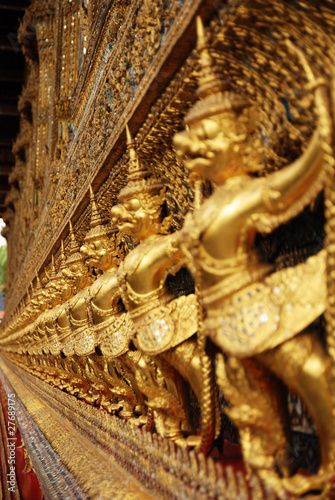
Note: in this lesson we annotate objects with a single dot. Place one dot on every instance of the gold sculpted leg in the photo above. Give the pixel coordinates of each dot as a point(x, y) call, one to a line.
point(177, 387)
point(255, 397)
point(304, 366)
point(130, 361)
point(167, 412)
point(185, 358)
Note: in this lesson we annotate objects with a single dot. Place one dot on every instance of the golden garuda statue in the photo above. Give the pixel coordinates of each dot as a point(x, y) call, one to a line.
point(260, 319)
point(110, 337)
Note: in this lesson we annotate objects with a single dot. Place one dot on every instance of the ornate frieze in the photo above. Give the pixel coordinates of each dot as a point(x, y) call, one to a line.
point(155, 286)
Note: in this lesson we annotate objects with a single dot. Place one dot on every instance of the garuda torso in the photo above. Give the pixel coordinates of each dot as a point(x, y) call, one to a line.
point(159, 320)
point(249, 309)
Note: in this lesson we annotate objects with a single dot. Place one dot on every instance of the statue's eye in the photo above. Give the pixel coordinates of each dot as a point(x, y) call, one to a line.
point(210, 129)
point(133, 205)
point(199, 131)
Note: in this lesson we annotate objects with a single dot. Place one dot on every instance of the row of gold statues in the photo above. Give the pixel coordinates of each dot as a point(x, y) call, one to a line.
point(125, 343)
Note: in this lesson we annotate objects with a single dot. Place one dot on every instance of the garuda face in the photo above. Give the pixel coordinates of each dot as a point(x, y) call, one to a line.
point(220, 146)
point(138, 216)
point(100, 253)
point(77, 275)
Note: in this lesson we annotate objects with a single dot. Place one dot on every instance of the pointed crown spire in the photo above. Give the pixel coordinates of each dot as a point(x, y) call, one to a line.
point(53, 268)
point(96, 219)
point(216, 95)
point(209, 80)
point(74, 247)
point(38, 284)
point(74, 255)
point(136, 171)
point(62, 257)
point(98, 227)
point(140, 178)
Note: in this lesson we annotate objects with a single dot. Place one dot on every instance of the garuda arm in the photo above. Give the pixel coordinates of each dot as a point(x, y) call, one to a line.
point(289, 190)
